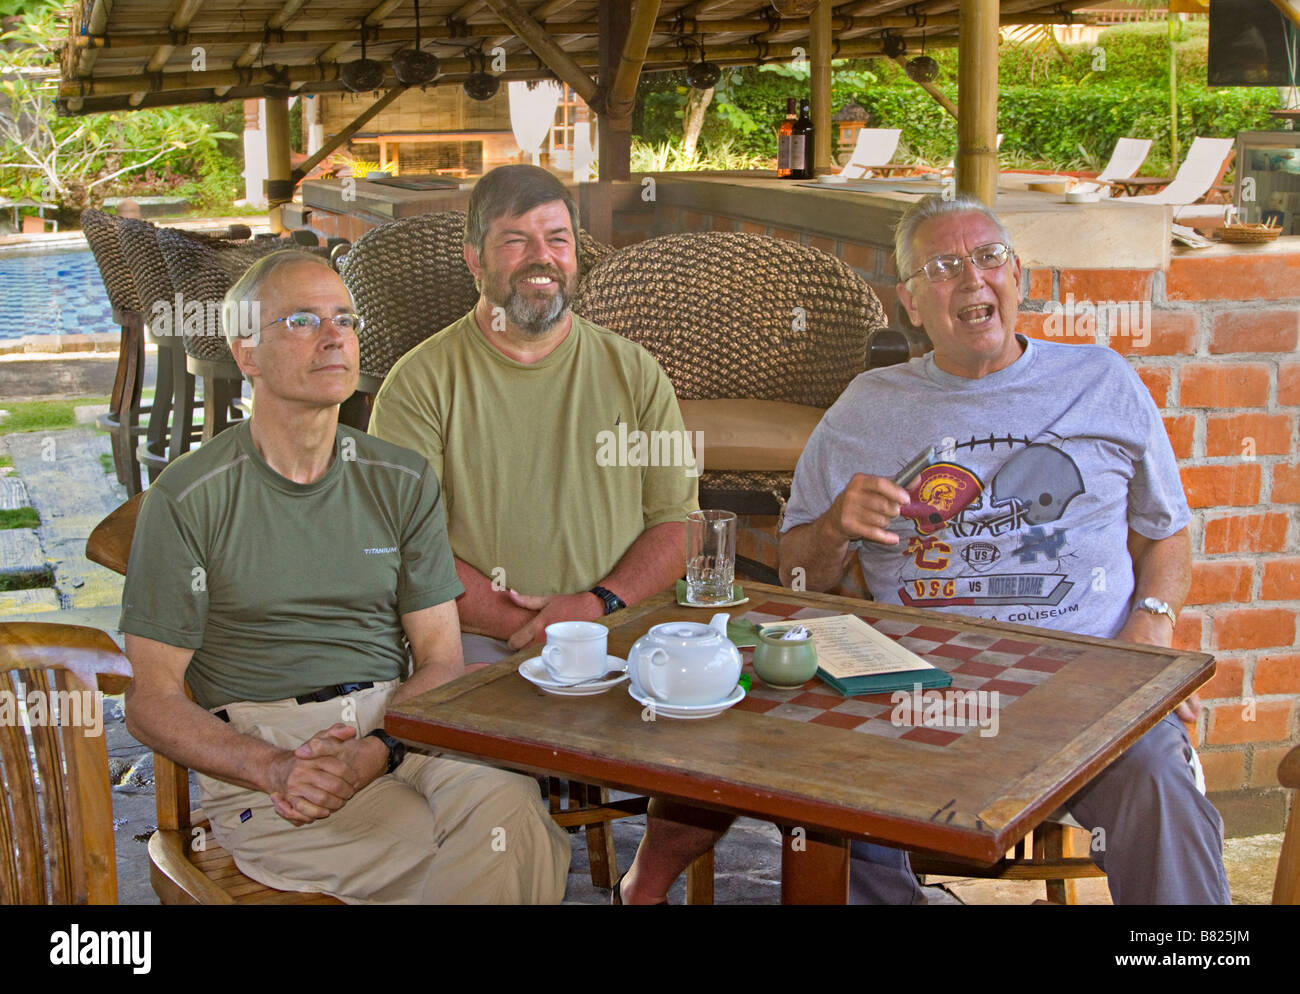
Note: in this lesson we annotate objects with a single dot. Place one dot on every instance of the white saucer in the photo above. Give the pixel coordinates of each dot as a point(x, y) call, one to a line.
point(535, 673)
point(686, 710)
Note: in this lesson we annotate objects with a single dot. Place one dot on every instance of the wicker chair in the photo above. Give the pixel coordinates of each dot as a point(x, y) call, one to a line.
point(122, 420)
point(741, 316)
point(202, 272)
point(409, 280)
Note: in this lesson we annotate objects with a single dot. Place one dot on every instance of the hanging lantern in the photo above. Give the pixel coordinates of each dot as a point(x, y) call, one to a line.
point(703, 75)
point(481, 86)
point(411, 66)
point(922, 69)
point(364, 74)
point(893, 45)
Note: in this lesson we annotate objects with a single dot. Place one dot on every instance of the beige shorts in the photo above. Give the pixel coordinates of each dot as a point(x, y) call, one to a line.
point(434, 831)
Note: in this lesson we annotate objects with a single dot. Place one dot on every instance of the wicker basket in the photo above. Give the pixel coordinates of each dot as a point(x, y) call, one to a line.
point(1247, 234)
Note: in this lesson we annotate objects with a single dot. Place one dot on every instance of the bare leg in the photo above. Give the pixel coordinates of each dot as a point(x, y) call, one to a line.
point(675, 834)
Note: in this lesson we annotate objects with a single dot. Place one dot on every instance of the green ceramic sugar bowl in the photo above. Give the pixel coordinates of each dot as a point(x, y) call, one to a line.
point(784, 664)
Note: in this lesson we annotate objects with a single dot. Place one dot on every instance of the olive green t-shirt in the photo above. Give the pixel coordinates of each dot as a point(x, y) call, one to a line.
point(284, 588)
point(536, 479)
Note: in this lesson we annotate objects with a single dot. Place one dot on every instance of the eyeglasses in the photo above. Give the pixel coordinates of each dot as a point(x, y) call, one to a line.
point(304, 324)
point(942, 268)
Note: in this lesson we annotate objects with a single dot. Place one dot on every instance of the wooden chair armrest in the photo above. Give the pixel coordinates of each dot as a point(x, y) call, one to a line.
point(1288, 771)
point(167, 851)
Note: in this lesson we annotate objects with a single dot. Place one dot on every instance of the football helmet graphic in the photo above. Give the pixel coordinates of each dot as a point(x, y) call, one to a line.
point(1041, 479)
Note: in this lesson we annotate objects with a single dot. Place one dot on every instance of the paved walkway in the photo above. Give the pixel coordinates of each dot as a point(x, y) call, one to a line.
point(61, 475)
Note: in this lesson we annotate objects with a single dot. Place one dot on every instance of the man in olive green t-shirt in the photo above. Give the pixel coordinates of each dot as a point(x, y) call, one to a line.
point(280, 571)
point(524, 410)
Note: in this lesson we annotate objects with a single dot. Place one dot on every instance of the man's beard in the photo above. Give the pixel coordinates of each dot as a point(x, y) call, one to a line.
point(535, 318)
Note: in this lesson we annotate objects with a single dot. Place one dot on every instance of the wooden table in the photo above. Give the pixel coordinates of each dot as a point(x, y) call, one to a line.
point(1139, 184)
point(1077, 703)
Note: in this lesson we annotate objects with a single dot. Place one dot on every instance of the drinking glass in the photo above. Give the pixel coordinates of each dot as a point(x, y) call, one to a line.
point(710, 557)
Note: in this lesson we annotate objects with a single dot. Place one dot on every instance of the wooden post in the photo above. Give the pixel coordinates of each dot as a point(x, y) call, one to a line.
point(977, 100)
point(819, 50)
point(278, 174)
point(615, 134)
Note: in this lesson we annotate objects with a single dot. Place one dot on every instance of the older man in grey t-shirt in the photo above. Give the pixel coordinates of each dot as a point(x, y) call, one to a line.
point(1054, 501)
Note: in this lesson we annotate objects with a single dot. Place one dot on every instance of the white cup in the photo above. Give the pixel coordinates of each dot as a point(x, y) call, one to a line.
point(575, 650)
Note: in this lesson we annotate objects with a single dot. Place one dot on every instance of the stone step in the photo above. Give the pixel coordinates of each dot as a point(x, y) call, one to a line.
point(17, 605)
point(20, 552)
point(13, 494)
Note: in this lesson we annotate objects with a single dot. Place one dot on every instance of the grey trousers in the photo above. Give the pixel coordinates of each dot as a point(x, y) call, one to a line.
point(1156, 836)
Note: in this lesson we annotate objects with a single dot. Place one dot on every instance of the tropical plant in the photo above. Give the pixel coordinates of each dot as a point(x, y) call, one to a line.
point(70, 161)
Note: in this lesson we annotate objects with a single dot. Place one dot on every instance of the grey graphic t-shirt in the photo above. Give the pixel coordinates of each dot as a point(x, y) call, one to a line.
point(1043, 468)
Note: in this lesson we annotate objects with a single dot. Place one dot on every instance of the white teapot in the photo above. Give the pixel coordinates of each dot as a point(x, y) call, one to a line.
point(685, 662)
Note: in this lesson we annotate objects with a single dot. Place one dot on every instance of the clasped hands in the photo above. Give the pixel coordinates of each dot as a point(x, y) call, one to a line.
point(549, 610)
point(324, 773)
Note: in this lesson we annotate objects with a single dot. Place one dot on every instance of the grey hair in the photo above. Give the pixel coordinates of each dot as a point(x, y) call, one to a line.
point(509, 191)
point(239, 297)
point(927, 209)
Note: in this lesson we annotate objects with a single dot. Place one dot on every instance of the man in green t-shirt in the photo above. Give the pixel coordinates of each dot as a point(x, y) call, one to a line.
point(280, 571)
point(520, 407)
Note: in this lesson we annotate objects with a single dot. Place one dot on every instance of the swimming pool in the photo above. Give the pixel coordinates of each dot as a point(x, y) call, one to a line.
point(53, 293)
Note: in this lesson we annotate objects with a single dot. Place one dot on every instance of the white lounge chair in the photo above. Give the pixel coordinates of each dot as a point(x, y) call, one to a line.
point(875, 147)
point(1126, 159)
point(1206, 162)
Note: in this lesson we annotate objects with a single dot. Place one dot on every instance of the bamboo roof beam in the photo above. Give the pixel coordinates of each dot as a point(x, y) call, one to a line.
point(977, 117)
point(180, 23)
point(537, 13)
point(544, 46)
point(620, 98)
point(97, 21)
point(341, 46)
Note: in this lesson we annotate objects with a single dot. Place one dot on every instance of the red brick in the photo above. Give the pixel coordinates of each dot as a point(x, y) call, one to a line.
point(1187, 633)
point(1228, 724)
point(1238, 277)
point(1254, 628)
point(1171, 333)
point(1040, 284)
point(822, 244)
point(1180, 431)
point(1118, 285)
point(1288, 383)
point(1235, 485)
point(1225, 435)
point(1228, 680)
point(786, 233)
point(1277, 674)
point(751, 228)
point(1224, 770)
point(1156, 379)
point(1246, 533)
point(888, 294)
point(1223, 385)
point(1255, 331)
point(1030, 324)
point(695, 221)
point(1286, 484)
point(1281, 580)
point(1220, 583)
point(721, 223)
point(891, 265)
point(861, 257)
point(1264, 764)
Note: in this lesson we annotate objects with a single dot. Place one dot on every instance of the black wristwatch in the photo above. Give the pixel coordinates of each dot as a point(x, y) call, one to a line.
point(611, 600)
point(396, 750)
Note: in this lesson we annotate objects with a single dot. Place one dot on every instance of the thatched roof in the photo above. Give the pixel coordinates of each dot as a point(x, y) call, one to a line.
point(142, 53)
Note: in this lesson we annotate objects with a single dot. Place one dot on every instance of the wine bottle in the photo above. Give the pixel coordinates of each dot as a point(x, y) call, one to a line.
point(801, 144)
point(783, 134)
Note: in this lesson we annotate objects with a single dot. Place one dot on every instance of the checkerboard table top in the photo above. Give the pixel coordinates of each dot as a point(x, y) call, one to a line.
point(1072, 705)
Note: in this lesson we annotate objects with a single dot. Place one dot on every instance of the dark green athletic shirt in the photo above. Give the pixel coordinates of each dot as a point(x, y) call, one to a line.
point(283, 588)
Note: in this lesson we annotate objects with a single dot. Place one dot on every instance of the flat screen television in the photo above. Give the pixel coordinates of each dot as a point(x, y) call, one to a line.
point(1251, 44)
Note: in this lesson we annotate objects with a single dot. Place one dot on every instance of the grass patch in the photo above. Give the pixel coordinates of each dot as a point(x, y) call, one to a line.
point(44, 415)
point(106, 461)
point(6, 462)
point(23, 517)
point(26, 581)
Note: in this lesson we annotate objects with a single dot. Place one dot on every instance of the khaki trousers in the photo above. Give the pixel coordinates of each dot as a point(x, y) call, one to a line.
point(435, 831)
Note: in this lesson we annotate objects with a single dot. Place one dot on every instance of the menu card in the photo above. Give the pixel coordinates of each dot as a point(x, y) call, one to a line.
point(854, 658)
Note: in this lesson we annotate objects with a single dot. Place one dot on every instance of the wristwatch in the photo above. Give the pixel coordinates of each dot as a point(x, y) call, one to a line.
point(396, 750)
point(612, 601)
point(1157, 607)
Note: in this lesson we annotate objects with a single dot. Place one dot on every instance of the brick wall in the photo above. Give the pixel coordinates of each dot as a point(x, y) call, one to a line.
point(1222, 366)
